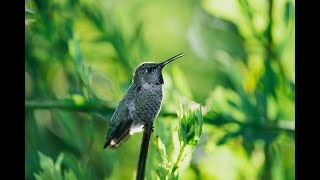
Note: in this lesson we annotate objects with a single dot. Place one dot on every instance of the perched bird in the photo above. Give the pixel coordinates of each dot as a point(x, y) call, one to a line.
point(139, 105)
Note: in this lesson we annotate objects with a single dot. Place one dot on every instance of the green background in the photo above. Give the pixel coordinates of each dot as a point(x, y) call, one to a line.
point(239, 65)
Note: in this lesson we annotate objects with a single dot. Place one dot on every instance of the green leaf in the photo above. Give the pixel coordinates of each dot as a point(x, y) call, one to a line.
point(53, 171)
point(162, 172)
point(161, 150)
point(74, 51)
point(50, 170)
point(190, 125)
point(199, 121)
point(59, 162)
point(70, 175)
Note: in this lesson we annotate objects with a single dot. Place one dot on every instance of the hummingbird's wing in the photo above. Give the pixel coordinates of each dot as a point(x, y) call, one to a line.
point(121, 121)
point(120, 135)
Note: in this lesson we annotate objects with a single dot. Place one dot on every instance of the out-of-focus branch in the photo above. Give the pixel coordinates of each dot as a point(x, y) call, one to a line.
point(282, 125)
point(69, 104)
point(91, 106)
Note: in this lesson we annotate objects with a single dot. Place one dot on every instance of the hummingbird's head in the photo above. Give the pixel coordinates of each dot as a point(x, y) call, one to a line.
point(151, 72)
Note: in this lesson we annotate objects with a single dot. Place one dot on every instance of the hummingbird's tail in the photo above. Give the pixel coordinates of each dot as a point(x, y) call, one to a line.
point(120, 135)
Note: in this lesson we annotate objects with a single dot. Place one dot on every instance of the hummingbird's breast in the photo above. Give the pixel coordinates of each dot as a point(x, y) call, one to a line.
point(148, 102)
point(145, 106)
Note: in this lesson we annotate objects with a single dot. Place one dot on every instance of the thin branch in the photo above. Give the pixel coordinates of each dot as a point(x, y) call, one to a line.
point(69, 104)
point(144, 151)
point(269, 45)
point(90, 106)
point(282, 125)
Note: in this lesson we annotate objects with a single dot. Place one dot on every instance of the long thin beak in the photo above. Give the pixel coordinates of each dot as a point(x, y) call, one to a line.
point(162, 64)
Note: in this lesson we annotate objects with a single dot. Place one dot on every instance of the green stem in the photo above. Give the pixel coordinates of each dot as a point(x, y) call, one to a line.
point(176, 164)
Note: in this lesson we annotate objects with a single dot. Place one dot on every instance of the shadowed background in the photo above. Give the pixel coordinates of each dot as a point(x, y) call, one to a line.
point(239, 65)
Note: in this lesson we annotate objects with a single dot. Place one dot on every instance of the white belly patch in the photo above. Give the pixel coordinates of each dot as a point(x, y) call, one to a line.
point(136, 127)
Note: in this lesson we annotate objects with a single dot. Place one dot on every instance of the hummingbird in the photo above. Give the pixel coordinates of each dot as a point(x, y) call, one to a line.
point(140, 104)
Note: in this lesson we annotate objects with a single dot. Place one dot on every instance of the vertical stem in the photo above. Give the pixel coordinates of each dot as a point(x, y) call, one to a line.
point(269, 32)
point(267, 171)
point(272, 55)
point(144, 151)
point(176, 164)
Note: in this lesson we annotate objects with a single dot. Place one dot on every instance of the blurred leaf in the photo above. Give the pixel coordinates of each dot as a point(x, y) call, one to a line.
point(84, 74)
point(72, 162)
point(248, 146)
point(227, 102)
point(136, 35)
point(269, 80)
point(42, 5)
point(69, 175)
point(27, 10)
point(246, 9)
point(161, 150)
point(74, 51)
point(288, 12)
point(181, 82)
point(50, 170)
point(28, 15)
point(218, 119)
point(261, 100)
point(210, 34)
point(228, 136)
point(53, 171)
point(94, 13)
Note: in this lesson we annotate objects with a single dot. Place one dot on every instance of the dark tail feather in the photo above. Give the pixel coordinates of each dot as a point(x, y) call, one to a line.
point(119, 135)
point(120, 141)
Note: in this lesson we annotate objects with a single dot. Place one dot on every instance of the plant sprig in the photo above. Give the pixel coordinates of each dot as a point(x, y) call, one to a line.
point(185, 137)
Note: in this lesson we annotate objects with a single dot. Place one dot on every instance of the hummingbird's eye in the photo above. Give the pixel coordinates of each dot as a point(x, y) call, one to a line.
point(149, 69)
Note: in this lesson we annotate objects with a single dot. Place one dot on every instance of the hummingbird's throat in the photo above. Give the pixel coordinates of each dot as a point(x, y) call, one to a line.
point(161, 80)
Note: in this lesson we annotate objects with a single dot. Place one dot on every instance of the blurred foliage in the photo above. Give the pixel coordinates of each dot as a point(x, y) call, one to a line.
point(239, 68)
point(51, 170)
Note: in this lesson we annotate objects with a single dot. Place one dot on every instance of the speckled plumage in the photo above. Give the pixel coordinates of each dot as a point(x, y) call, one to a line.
point(140, 104)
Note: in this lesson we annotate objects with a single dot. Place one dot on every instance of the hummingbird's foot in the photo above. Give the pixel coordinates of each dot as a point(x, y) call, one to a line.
point(152, 129)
